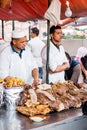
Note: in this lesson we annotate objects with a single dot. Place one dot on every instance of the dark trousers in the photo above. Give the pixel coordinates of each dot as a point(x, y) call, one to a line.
point(40, 72)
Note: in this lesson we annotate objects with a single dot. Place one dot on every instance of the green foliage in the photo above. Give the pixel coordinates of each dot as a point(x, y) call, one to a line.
point(73, 37)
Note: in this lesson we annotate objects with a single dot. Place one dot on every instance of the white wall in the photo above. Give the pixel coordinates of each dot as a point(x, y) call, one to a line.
point(71, 46)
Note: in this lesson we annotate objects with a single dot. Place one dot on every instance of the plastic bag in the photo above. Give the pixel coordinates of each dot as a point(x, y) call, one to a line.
point(1, 95)
point(12, 95)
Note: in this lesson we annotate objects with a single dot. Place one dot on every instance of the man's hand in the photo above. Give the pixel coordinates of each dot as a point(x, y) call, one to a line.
point(7, 78)
point(60, 68)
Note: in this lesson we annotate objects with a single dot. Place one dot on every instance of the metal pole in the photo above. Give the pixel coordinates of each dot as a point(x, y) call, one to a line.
point(2, 29)
point(48, 47)
point(13, 25)
point(29, 31)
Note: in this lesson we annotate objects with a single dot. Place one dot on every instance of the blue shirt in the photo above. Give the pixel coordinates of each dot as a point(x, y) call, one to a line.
point(69, 72)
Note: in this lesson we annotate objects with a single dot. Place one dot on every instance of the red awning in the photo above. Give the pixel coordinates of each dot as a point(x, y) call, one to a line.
point(23, 10)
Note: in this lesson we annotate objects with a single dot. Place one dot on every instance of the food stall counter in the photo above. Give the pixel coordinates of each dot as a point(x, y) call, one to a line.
point(72, 119)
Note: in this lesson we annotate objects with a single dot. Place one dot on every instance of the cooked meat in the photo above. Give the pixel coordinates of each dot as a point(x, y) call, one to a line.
point(60, 88)
point(32, 111)
point(48, 95)
point(33, 95)
point(43, 109)
point(24, 96)
point(59, 97)
point(57, 105)
point(42, 99)
point(28, 111)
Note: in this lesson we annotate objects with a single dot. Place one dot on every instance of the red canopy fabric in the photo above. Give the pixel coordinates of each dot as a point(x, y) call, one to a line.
point(35, 9)
point(23, 11)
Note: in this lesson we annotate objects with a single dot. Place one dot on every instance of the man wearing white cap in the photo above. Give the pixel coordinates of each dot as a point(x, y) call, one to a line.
point(16, 60)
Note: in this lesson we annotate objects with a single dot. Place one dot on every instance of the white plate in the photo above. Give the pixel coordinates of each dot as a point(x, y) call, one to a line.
point(38, 118)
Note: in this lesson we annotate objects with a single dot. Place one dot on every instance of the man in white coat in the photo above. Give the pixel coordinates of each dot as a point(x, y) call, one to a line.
point(36, 45)
point(58, 62)
point(16, 60)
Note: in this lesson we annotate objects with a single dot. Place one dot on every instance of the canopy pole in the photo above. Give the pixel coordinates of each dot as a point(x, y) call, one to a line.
point(48, 47)
point(13, 25)
point(2, 29)
point(29, 31)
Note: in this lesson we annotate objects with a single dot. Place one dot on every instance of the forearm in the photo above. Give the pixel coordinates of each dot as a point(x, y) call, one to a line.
point(35, 73)
point(35, 76)
point(60, 68)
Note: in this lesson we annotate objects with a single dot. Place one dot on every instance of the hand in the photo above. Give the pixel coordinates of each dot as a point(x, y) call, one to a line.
point(50, 71)
point(7, 78)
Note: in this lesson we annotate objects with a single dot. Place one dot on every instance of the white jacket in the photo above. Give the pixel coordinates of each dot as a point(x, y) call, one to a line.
point(36, 45)
point(56, 57)
point(12, 65)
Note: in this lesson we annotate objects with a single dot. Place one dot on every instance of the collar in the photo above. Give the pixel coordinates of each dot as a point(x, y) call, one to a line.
point(18, 52)
point(57, 46)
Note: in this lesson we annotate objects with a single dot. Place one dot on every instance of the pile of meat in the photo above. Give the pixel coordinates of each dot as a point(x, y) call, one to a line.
point(58, 97)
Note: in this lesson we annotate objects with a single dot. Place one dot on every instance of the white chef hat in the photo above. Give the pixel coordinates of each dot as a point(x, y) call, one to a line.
point(18, 33)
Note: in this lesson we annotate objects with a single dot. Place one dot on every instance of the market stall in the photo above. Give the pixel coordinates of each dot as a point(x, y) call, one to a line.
point(66, 114)
point(70, 118)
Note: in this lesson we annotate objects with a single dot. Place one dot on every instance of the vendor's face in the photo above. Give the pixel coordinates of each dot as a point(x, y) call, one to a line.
point(20, 43)
point(32, 35)
point(56, 36)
